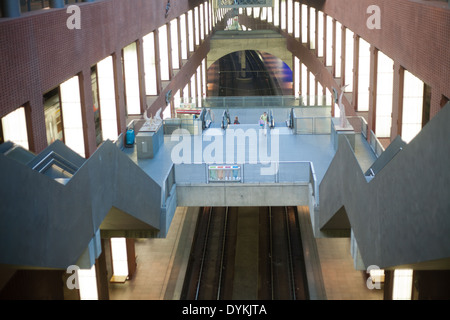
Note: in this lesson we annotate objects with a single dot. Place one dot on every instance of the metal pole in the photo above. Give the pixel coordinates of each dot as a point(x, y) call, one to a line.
point(11, 8)
point(56, 3)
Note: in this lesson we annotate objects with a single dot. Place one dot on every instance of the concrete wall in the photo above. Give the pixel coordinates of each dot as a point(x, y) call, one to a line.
point(260, 40)
point(222, 194)
point(400, 217)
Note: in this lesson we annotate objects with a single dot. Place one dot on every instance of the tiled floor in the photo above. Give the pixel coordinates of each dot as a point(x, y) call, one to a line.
point(161, 264)
point(341, 280)
point(155, 259)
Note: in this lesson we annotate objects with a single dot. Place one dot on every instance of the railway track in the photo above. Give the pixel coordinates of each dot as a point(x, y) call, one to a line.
point(226, 250)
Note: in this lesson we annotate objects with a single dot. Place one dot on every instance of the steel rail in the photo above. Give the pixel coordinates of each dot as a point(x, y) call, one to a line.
point(291, 263)
point(205, 245)
point(222, 258)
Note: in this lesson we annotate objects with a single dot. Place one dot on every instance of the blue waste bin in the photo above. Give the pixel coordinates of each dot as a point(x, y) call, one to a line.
point(129, 138)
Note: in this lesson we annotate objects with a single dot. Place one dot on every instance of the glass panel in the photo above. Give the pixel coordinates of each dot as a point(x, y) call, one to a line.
point(196, 26)
point(183, 35)
point(412, 106)
point(312, 28)
point(402, 287)
point(72, 119)
point(363, 75)
point(320, 34)
point(87, 280)
point(304, 87)
point(329, 44)
point(312, 89)
point(384, 95)
point(106, 90)
point(96, 106)
point(191, 30)
point(297, 20)
point(53, 116)
point(174, 44)
point(304, 23)
point(119, 256)
point(338, 50)
point(14, 127)
point(133, 101)
point(290, 13)
point(349, 60)
point(148, 44)
point(296, 77)
point(163, 53)
point(202, 23)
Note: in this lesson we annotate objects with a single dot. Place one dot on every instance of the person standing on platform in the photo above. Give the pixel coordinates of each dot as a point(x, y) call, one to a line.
point(263, 122)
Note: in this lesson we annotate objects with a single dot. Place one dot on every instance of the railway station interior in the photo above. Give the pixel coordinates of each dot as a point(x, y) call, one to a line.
point(124, 175)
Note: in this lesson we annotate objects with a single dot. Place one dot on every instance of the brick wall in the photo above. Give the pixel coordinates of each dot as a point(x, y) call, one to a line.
point(415, 34)
point(39, 52)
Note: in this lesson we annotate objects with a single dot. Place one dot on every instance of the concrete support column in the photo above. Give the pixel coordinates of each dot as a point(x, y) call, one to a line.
point(308, 85)
point(355, 89)
point(180, 55)
point(101, 272)
point(300, 21)
point(324, 39)
point(397, 100)
point(87, 112)
point(131, 257)
point(186, 27)
point(158, 63)
point(333, 54)
point(169, 49)
point(372, 89)
point(316, 34)
point(308, 27)
point(141, 73)
point(10, 8)
point(343, 54)
point(56, 3)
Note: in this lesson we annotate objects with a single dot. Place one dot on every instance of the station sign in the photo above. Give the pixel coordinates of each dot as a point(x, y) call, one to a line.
point(224, 173)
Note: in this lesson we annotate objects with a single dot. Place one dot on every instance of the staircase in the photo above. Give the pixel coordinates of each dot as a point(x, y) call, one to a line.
point(56, 206)
point(399, 209)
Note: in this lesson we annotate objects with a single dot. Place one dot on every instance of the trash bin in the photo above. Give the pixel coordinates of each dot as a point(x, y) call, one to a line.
point(129, 138)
